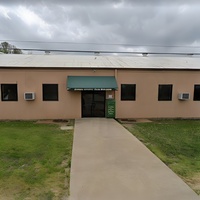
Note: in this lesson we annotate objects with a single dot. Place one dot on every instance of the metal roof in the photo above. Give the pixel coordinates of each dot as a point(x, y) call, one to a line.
point(85, 61)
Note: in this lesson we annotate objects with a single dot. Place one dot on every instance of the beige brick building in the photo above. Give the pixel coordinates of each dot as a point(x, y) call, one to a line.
point(63, 86)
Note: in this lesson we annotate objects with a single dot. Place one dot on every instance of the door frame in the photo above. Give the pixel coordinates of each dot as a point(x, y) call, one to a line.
point(93, 93)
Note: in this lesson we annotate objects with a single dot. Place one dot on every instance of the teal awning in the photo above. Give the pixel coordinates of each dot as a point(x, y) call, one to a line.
point(96, 83)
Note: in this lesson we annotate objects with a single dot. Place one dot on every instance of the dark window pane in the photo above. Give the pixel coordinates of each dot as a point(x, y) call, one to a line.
point(128, 92)
point(9, 92)
point(50, 92)
point(196, 92)
point(164, 92)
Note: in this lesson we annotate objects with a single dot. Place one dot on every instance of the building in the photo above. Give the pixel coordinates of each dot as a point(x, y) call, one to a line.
point(65, 86)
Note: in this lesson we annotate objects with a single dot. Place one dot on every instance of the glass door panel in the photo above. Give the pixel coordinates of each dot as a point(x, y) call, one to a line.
point(93, 104)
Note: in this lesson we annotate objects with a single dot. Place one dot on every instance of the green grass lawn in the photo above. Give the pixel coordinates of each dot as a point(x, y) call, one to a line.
point(34, 161)
point(176, 143)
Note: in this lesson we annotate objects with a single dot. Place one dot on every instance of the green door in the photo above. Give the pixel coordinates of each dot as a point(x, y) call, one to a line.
point(110, 108)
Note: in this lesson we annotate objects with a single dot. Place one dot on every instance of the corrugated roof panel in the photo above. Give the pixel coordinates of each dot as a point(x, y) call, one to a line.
point(77, 61)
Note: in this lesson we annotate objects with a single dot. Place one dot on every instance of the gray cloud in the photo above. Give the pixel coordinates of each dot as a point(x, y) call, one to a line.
point(164, 23)
point(92, 2)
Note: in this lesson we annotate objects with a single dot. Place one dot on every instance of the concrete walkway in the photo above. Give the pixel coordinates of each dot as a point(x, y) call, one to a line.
point(108, 163)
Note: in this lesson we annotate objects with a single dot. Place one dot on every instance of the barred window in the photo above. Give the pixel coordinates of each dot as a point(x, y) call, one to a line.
point(128, 92)
point(165, 92)
point(50, 92)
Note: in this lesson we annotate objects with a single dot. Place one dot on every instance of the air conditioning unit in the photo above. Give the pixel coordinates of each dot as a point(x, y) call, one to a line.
point(29, 96)
point(184, 96)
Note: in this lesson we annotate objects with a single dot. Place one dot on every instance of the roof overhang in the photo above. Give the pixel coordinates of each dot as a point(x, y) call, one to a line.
point(91, 83)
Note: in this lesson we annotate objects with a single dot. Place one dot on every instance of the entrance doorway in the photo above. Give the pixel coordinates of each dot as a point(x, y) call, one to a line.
point(93, 103)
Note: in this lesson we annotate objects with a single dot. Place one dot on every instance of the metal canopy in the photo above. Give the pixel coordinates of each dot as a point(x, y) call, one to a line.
point(91, 83)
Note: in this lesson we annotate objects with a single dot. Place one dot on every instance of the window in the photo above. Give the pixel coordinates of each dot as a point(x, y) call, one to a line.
point(165, 92)
point(196, 93)
point(128, 92)
point(9, 92)
point(50, 92)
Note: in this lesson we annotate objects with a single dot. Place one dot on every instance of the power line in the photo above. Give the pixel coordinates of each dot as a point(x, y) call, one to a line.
point(108, 52)
point(103, 44)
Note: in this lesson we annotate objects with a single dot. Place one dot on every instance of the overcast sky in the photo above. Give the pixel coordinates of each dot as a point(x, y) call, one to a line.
point(144, 24)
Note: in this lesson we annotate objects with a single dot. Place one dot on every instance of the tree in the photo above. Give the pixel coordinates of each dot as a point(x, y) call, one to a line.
point(7, 48)
point(17, 51)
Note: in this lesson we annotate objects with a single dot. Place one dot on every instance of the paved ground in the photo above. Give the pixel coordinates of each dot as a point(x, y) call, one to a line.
point(108, 163)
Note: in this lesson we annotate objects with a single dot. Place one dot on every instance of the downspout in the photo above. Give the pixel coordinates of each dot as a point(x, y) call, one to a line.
point(116, 73)
point(116, 76)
